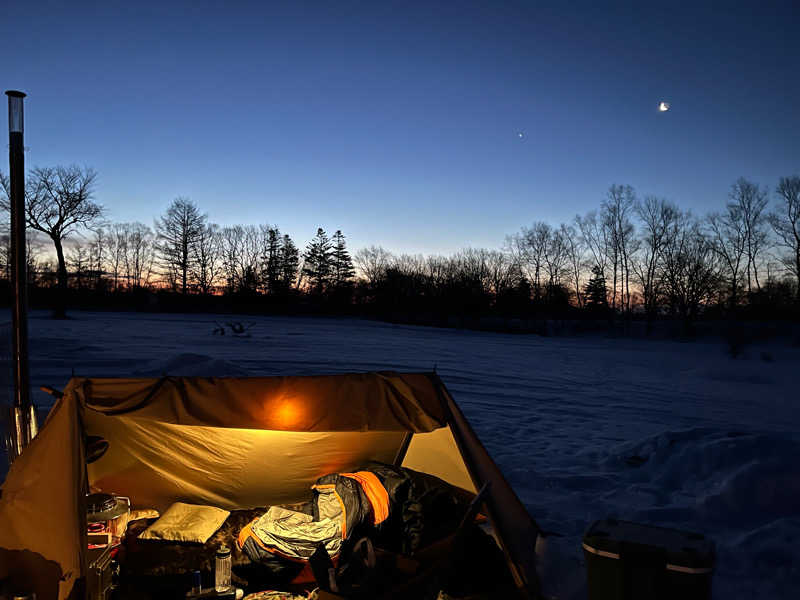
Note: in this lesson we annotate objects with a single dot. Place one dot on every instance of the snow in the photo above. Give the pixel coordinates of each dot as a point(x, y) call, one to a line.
point(674, 434)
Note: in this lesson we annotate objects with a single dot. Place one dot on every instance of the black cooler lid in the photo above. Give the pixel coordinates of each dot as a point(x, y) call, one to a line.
point(682, 550)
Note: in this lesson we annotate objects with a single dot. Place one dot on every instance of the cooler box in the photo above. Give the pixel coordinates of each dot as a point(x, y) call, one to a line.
point(626, 560)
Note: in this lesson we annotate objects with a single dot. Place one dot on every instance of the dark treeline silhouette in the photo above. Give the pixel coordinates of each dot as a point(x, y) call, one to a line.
point(631, 259)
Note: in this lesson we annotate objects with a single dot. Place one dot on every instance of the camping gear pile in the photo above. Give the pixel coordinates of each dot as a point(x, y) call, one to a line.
point(245, 445)
point(423, 509)
point(107, 519)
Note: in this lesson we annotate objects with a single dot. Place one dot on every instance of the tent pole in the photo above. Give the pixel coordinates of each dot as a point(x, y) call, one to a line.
point(23, 418)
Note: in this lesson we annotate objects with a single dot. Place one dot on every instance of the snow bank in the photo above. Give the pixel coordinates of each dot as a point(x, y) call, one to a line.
point(742, 489)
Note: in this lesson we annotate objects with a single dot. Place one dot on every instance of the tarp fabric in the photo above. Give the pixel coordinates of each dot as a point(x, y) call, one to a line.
point(307, 426)
point(42, 540)
point(357, 402)
point(42, 514)
point(156, 464)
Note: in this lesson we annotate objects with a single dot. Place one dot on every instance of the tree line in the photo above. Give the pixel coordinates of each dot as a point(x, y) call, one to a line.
point(633, 257)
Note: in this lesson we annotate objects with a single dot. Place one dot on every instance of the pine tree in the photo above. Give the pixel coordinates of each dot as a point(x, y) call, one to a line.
point(342, 264)
point(317, 261)
point(272, 260)
point(289, 262)
point(595, 290)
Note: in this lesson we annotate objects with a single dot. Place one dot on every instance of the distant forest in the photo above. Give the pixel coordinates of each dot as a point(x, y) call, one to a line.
point(633, 258)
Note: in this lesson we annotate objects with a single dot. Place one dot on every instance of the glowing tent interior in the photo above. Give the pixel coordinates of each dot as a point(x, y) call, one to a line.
point(235, 443)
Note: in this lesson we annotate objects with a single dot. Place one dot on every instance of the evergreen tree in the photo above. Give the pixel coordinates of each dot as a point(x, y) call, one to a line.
point(342, 264)
point(289, 263)
point(595, 291)
point(273, 260)
point(317, 261)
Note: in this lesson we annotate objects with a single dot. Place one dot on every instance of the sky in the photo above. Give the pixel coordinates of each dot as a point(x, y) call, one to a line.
point(399, 122)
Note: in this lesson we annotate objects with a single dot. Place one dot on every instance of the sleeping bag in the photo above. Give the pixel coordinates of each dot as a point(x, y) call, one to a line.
point(400, 509)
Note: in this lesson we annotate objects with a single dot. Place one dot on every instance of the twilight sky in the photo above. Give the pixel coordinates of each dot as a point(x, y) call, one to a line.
point(399, 122)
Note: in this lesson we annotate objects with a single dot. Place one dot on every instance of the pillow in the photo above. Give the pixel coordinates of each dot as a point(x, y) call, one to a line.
point(186, 523)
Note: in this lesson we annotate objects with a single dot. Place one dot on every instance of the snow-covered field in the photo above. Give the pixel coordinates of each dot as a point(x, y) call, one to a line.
point(559, 415)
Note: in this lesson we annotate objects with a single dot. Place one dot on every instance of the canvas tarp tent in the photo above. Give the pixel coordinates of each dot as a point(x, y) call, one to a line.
point(233, 443)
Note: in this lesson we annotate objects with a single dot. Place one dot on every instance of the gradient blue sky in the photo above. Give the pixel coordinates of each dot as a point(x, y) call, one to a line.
point(398, 122)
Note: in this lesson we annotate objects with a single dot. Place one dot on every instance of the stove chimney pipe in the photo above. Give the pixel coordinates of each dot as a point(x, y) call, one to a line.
point(23, 419)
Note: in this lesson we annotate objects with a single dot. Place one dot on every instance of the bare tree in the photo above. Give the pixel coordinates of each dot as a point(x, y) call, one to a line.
point(241, 247)
point(616, 211)
point(78, 261)
point(555, 260)
point(231, 251)
point(206, 266)
point(177, 232)
point(501, 272)
point(371, 263)
point(785, 222)
point(748, 201)
point(138, 253)
point(596, 236)
point(59, 203)
point(437, 271)
point(659, 219)
point(691, 269)
point(574, 259)
point(536, 241)
point(98, 247)
point(728, 235)
point(116, 242)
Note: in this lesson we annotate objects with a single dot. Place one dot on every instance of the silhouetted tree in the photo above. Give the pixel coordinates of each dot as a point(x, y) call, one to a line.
point(596, 237)
point(289, 264)
point(78, 261)
point(138, 254)
point(272, 260)
point(615, 213)
point(177, 232)
point(98, 247)
point(317, 261)
point(574, 252)
point(206, 265)
point(691, 272)
point(529, 248)
point(117, 239)
point(728, 238)
point(241, 256)
point(658, 219)
point(59, 202)
point(596, 292)
point(372, 263)
point(342, 270)
point(502, 274)
point(555, 262)
point(749, 201)
point(785, 222)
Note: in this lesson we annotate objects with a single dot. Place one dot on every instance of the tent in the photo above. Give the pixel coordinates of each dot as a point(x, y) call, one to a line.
point(234, 442)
